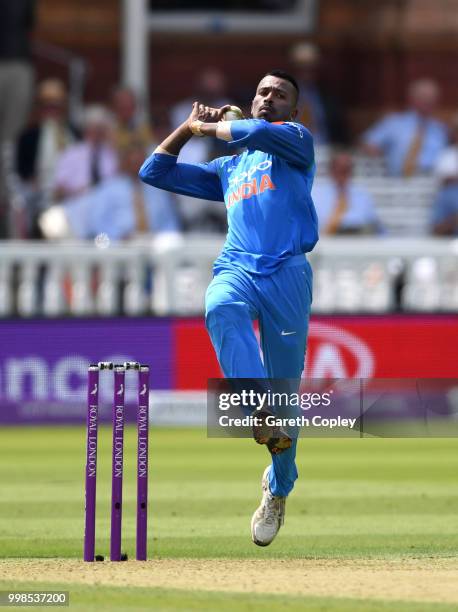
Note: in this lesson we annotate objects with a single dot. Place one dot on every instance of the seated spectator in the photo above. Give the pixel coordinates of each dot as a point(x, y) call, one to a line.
point(318, 110)
point(447, 165)
point(411, 141)
point(87, 163)
point(128, 123)
point(342, 206)
point(444, 217)
point(201, 216)
point(40, 146)
point(121, 207)
point(210, 89)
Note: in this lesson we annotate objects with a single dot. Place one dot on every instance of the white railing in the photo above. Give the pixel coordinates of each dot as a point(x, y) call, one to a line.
point(350, 275)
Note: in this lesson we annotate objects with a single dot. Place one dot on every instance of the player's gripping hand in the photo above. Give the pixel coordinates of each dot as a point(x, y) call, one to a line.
point(207, 114)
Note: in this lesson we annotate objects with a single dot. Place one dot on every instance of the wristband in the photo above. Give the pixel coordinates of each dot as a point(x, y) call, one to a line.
point(195, 128)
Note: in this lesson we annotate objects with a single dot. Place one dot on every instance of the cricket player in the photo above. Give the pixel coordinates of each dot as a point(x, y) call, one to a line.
point(262, 272)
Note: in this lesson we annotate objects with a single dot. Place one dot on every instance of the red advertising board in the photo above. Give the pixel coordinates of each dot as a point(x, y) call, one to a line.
point(397, 346)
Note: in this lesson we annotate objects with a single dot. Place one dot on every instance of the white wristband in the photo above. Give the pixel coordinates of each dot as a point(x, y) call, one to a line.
point(223, 131)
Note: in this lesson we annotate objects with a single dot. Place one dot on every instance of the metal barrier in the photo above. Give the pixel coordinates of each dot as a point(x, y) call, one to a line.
point(385, 274)
point(350, 275)
point(72, 279)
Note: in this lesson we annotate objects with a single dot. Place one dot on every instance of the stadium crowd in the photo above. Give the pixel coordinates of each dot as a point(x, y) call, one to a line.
point(65, 176)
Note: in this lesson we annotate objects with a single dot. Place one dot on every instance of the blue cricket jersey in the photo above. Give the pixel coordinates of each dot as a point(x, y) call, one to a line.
point(266, 189)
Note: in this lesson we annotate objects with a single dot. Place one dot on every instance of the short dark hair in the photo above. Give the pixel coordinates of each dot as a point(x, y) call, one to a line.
point(281, 74)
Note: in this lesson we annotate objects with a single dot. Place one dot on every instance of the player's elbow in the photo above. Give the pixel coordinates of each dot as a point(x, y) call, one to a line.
point(148, 173)
point(143, 172)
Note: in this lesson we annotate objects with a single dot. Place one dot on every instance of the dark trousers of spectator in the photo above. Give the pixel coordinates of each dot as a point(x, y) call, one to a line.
point(16, 92)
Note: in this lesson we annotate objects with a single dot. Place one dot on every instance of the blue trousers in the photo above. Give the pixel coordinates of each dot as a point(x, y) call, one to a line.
point(281, 303)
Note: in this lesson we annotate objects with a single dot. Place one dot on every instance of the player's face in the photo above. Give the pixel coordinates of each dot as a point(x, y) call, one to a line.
point(275, 100)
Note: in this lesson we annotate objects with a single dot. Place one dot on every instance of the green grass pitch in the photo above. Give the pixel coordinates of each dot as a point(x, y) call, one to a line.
point(369, 498)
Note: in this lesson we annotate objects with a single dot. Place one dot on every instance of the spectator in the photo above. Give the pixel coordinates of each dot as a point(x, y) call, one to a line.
point(210, 87)
point(444, 217)
point(342, 206)
point(16, 72)
point(411, 141)
point(202, 216)
point(129, 125)
point(41, 144)
point(447, 165)
point(121, 207)
point(17, 19)
point(318, 110)
point(87, 163)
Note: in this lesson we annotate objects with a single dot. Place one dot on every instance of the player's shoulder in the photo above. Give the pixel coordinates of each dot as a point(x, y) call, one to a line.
point(295, 127)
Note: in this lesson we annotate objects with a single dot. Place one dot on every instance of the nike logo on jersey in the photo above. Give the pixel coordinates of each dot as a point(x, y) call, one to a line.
point(285, 333)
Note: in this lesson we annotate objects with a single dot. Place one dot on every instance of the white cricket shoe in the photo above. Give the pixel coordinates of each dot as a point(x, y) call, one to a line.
point(270, 515)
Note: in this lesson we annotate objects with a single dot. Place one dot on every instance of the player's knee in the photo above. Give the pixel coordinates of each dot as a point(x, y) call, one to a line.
point(220, 311)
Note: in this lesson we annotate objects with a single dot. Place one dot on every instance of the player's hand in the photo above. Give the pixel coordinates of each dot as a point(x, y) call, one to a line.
point(207, 114)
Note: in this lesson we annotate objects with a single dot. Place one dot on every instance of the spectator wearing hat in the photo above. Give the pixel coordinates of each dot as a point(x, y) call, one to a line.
point(41, 144)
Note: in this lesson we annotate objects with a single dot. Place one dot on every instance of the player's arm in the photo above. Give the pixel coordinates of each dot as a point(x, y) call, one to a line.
point(162, 169)
point(290, 141)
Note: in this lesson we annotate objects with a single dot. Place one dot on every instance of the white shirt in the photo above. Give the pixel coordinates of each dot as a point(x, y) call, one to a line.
point(73, 171)
point(49, 149)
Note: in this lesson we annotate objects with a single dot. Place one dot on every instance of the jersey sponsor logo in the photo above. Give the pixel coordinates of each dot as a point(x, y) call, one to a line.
point(248, 174)
point(250, 189)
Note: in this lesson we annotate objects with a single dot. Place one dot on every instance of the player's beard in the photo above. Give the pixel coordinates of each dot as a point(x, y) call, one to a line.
point(266, 113)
